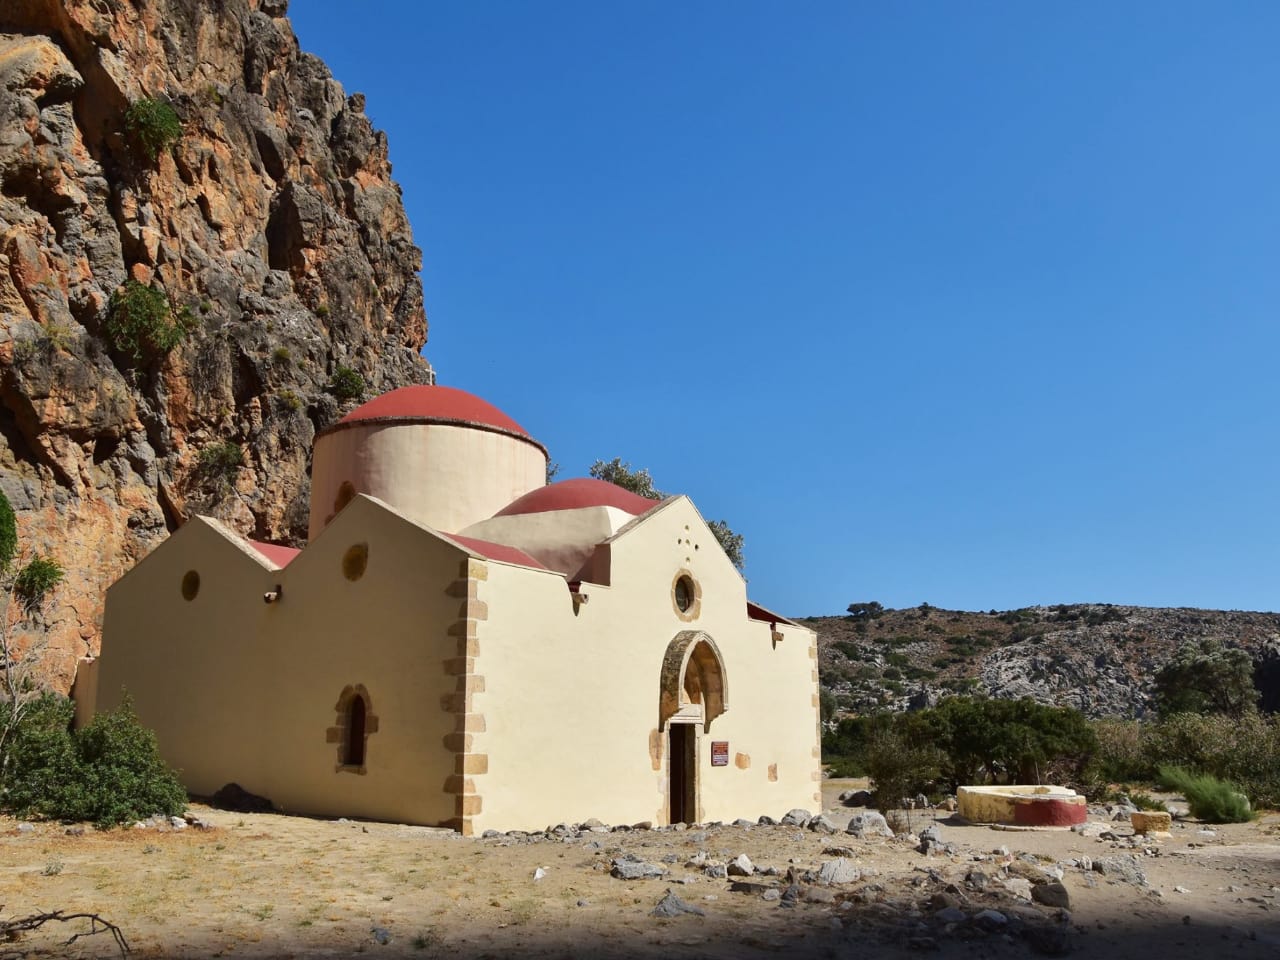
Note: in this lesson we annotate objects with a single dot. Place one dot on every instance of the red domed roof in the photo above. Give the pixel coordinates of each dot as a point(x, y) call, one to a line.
point(434, 403)
point(575, 494)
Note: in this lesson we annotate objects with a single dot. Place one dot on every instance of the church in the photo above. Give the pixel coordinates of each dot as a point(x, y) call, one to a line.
point(462, 644)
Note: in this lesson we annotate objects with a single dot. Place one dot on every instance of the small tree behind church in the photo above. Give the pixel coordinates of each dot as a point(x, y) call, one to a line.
point(639, 482)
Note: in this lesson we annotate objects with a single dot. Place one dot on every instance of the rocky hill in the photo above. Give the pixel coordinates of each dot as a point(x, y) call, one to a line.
point(265, 237)
point(1098, 658)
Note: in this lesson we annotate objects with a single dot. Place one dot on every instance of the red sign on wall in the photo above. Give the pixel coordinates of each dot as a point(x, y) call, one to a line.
point(719, 753)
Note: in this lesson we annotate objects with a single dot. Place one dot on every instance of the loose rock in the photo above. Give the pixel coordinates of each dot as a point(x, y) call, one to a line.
point(1052, 895)
point(672, 906)
point(636, 870)
point(796, 817)
point(841, 870)
point(870, 824)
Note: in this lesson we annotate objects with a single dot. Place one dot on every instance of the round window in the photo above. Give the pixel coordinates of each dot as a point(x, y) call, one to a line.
point(686, 593)
point(190, 585)
point(354, 561)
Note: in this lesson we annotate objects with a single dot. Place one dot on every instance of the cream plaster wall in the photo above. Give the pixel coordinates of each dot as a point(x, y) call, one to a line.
point(561, 708)
point(240, 690)
point(560, 540)
point(445, 476)
point(571, 702)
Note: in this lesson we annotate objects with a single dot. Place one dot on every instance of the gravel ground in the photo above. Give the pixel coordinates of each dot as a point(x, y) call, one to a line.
point(267, 885)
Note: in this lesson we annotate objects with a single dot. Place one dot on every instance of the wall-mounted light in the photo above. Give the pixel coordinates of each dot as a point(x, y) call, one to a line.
point(271, 596)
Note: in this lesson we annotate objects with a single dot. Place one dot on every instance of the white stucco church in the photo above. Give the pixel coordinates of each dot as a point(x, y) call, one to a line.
point(462, 644)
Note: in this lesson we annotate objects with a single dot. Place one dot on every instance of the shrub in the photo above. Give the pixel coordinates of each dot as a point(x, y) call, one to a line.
point(36, 579)
point(1145, 802)
point(1122, 750)
point(1245, 751)
point(8, 532)
point(154, 126)
point(901, 767)
point(1210, 799)
point(139, 321)
point(110, 772)
point(1205, 677)
point(346, 383)
point(220, 460)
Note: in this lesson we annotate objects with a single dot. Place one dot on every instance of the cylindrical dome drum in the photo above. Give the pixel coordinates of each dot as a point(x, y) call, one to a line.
point(440, 455)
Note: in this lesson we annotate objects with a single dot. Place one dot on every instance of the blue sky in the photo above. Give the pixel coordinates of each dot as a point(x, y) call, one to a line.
point(973, 304)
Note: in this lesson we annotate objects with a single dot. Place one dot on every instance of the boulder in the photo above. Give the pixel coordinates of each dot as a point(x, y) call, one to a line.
point(1124, 869)
point(672, 906)
point(869, 824)
point(856, 798)
point(741, 866)
point(840, 870)
point(636, 870)
point(1052, 895)
point(796, 818)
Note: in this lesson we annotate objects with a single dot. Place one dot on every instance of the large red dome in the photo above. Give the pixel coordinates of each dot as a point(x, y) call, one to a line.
point(575, 494)
point(437, 405)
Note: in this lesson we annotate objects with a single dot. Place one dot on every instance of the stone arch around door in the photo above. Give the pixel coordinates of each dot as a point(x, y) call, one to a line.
point(693, 680)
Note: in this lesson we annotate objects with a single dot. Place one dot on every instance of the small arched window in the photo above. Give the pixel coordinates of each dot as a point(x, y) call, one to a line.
point(353, 754)
point(354, 722)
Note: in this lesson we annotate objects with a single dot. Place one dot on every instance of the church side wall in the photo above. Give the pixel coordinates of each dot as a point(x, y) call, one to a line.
point(386, 636)
point(193, 668)
point(244, 691)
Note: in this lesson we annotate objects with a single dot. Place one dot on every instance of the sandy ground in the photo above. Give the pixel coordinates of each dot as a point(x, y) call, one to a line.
point(260, 885)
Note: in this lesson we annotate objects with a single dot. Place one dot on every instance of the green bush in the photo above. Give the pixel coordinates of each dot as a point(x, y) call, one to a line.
point(220, 460)
point(139, 321)
point(110, 772)
point(153, 125)
point(36, 579)
point(1210, 799)
point(1206, 677)
point(1122, 750)
point(1244, 750)
point(975, 740)
point(1145, 802)
point(901, 766)
point(8, 532)
point(346, 383)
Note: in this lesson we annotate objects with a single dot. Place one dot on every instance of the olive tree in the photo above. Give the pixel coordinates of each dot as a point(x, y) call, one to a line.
point(639, 482)
point(1206, 677)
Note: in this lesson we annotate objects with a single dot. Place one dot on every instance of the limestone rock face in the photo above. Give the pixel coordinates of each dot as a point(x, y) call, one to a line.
point(271, 226)
point(1101, 659)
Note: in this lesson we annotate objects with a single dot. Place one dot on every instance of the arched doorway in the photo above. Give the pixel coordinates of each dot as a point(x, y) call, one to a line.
point(692, 694)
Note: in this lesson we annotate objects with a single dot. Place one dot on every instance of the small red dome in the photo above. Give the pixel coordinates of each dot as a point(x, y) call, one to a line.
point(575, 494)
point(434, 403)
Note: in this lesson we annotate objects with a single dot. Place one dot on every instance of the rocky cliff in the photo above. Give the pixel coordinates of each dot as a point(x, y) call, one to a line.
point(1099, 658)
point(265, 237)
